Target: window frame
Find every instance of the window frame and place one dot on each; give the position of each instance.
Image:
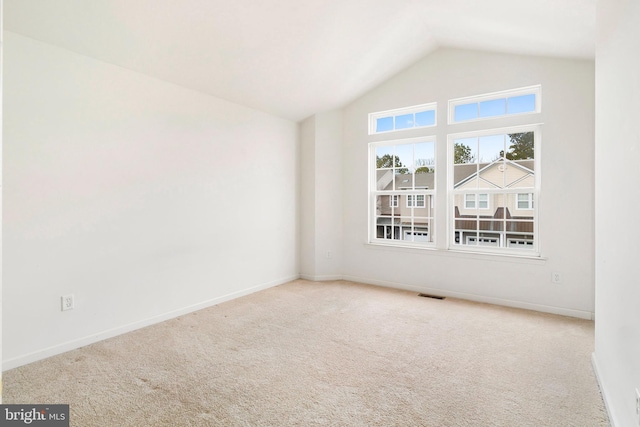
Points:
(528, 90)
(373, 117)
(429, 200)
(534, 250)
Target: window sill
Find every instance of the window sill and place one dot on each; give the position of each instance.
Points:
(490, 256)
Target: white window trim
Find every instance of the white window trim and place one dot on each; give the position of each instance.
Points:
(529, 90)
(394, 201)
(373, 117)
(451, 245)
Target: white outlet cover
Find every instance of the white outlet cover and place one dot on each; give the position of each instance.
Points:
(67, 302)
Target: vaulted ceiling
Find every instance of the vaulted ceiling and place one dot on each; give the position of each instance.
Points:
(293, 58)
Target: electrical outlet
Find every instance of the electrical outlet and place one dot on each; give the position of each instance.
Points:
(329, 254)
(67, 302)
(638, 405)
(556, 277)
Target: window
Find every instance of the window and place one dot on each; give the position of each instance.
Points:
(525, 201)
(403, 118)
(402, 168)
(470, 201)
(498, 104)
(415, 201)
(493, 175)
(488, 171)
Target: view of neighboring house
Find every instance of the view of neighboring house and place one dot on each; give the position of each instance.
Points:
(494, 203)
(404, 216)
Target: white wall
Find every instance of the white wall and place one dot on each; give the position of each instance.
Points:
(567, 163)
(142, 198)
(308, 198)
(321, 198)
(617, 353)
(1, 174)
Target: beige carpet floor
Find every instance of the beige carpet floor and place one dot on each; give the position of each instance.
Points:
(329, 354)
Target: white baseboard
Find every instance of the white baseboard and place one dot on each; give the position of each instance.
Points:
(81, 342)
(478, 298)
(603, 390)
(320, 278)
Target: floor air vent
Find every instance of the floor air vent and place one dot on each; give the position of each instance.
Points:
(430, 296)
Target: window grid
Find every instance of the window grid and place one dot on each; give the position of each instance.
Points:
(505, 227)
(487, 211)
(403, 171)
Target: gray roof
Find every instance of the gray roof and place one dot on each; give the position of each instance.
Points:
(461, 173)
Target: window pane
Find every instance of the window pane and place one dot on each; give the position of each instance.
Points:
(469, 201)
(465, 155)
(465, 150)
(384, 180)
(404, 153)
(424, 154)
(491, 148)
(521, 104)
(419, 232)
(490, 224)
(388, 228)
(384, 124)
(383, 207)
(483, 201)
(424, 162)
(495, 107)
(520, 146)
(426, 118)
(465, 112)
(404, 121)
(492, 166)
(385, 157)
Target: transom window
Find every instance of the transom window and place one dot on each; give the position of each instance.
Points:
(402, 169)
(403, 118)
(498, 104)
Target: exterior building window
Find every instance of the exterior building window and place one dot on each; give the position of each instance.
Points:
(489, 170)
(525, 201)
(482, 201)
(402, 169)
(415, 200)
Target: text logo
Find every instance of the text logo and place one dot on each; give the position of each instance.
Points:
(34, 415)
